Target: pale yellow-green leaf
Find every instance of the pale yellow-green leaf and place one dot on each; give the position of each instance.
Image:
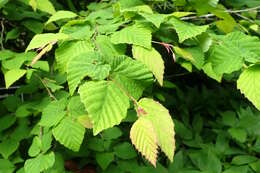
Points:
(13, 75)
(162, 123)
(249, 84)
(152, 59)
(144, 138)
(61, 15)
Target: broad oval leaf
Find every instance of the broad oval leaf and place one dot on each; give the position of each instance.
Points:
(162, 123)
(69, 133)
(105, 102)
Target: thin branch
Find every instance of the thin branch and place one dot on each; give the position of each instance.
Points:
(243, 10)
(244, 17)
(45, 86)
(12, 87)
(196, 17)
(227, 11)
(5, 95)
(177, 75)
(2, 34)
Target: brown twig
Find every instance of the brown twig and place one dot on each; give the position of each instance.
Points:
(168, 47)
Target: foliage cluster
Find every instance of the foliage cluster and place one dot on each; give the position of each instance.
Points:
(130, 86)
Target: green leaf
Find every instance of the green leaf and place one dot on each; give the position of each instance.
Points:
(227, 22)
(53, 113)
(45, 6)
(80, 31)
(199, 158)
(249, 84)
(12, 76)
(35, 148)
(237, 169)
(13, 34)
(208, 69)
(6, 166)
(69, 133)
(144, 138)
(104, 159)
(138, 8)
(18, 60)
(107, 48)
(152, 59)
(238, 134)
(112, 133)
(187, 30)
(58, 166)
(197, 56)
(8, 147)
(61, 15)
(155, 19)
(162, 123)
(232, 50)
(96, 144)
(106, 104)
(33, 25)
(86, 64)
(243, 159)
(125, 151)
(130, 75)
(41, 40)
(70, 50)
(76, 107)
(40, 163)
(133, 35)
